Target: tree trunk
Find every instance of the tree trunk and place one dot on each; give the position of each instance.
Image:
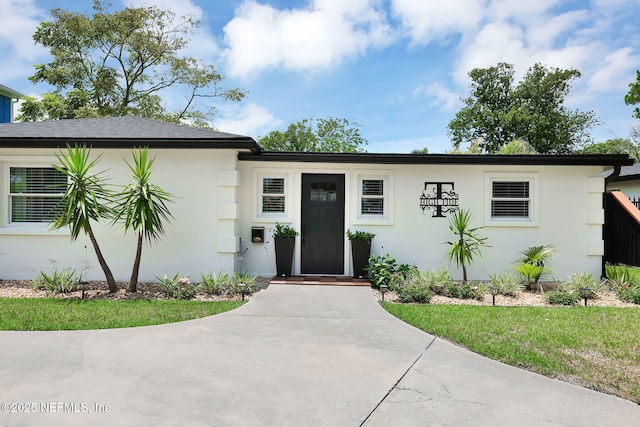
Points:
(113, 288)
(133, 282)
(464, 273)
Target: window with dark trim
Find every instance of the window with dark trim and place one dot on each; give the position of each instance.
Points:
(34, 193)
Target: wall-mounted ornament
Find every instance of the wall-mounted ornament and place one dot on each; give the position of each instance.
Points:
(439, 196)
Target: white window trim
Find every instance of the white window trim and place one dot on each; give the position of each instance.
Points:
(533, 179)
(258, 180)
(23, 228)
(387, 184)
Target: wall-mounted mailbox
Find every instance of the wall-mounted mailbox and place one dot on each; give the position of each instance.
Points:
(257, 234)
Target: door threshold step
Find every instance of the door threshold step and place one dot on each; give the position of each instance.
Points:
(320, 280)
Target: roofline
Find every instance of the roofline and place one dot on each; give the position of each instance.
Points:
(10, 93)
(461, 159)
(104, 143)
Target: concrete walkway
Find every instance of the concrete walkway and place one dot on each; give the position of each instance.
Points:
(293, 356)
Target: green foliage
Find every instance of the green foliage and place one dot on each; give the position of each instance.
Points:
(53, 314)
(547, 340)
(284, 231)
(86, 199)
(562, 298)
(360, 235)
(177, 287)
(322, 135)
(621, 277)
(516, 146)
(414, 293)
(585, 280)
(533, 264)
(614, 146)
(120, 63)
(424, 150)
(468, 243)
(507, 283)
(141, 205)
(381, 270)
(62, 280)
(631, 294)
(460, 291)
(221, 283)
(418, 285)
(633, 96)
(498, 111)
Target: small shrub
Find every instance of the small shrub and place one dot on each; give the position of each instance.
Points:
(509, 284)
(250, 281)
(418, 293)
(479, 289)
(533, 265)
(460, 291)
(631, 294)
(214, 284)
(63, 280)
(381, 269)
(562, 298)
(177, 287)
(585, 280)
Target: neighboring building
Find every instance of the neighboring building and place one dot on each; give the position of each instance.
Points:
(227, 190)
(628, 181)
(8, 97)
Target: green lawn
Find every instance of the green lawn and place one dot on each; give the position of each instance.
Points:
(50, 314)
(596, 347)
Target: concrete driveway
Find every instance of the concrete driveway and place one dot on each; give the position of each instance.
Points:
(292, 356)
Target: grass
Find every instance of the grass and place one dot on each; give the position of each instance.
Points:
(50, 314)
(596, 347)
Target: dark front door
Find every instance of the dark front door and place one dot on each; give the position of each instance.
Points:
(322, 224)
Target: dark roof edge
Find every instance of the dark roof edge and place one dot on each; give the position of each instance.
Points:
(246, 143)
(433, 159)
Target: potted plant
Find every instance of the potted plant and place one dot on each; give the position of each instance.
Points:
(360, 251)
(284, 237)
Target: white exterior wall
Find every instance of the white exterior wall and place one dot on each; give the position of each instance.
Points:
(200, 238)
(567, 206)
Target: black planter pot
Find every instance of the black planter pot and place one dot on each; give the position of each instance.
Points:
(284, 255)
(360, 251)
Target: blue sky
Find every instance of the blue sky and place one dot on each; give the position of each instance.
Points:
(396, 67)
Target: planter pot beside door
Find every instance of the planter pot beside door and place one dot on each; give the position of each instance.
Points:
(360, 252)
(284, 255)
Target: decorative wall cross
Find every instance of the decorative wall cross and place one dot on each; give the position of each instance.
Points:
(440, 197)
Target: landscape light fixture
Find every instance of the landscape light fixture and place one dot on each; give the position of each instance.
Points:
(383, 290)
(83, 286)
(243, 287)
(494, 291)
(585, 293)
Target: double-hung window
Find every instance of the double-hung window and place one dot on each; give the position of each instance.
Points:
(512, 199)
(372, 197)
(373, 204)
(273, 196)
(34, 193)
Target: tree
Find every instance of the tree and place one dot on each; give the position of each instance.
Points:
(86, 199)
(424, 150)
(614, 146)
(468, 243)
(517, 146)
(633, 97)
(142, 206)
(322, 135)
(118, 64)
(498, 111)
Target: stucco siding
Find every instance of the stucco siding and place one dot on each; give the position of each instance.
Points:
(197, 240)
(567, 210)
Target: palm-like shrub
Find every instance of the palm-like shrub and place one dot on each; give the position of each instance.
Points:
(468, 243)
(533, 264)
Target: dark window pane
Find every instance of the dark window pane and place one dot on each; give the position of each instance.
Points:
(510, 208)
(34, 208)
(511, 189)
(273, 185)
(372, 206)
(36, 181)
(372, 187)
(273, 204)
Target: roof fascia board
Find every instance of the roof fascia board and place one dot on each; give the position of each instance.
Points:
(431, 159)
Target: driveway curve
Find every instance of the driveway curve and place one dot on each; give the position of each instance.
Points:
(292, 356)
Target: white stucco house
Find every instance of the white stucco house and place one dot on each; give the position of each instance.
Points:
(228, 191)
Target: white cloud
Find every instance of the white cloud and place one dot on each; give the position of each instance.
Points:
(18, 21)
(319, 36)
(250, 119)
(442, 95)
(426, 21)
(617, 72)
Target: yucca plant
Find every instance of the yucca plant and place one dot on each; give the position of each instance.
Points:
(86, 199)
(468, 243)
(142, 207)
